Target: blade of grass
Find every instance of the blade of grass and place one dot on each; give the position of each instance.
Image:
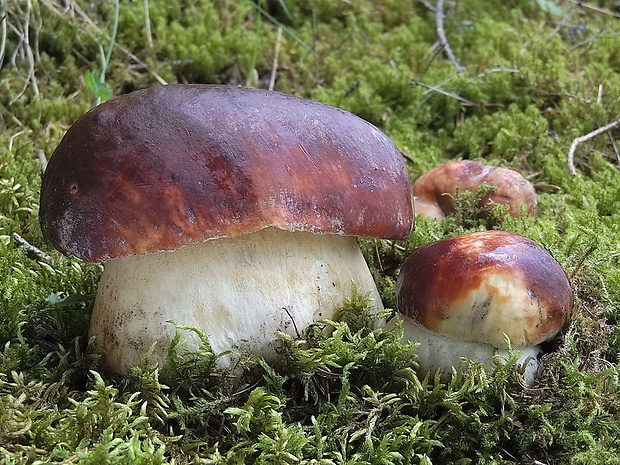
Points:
(262, 11)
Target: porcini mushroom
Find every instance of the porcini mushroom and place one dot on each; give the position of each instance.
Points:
(461, 297)
(231, 210)
(435, 190)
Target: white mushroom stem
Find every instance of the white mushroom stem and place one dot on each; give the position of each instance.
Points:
(438, 352)
(240, 291)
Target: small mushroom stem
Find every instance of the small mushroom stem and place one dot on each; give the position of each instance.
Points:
(437, 352)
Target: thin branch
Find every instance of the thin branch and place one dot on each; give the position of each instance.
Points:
(147, 24)
(15, 136)
(42, 160)
(265, 13)
(561, 24)
(24, 50)
(406, 156)
(441, 33)
(3, 20)
(12, 116)
(90, 22)
(547, 186)
(378, 255)
(276, 53)
(583, 42)
(31, 250)
(565, 94)
(595, 8)
(446, 93)
(579, 140)
(286, 309)
(432, 88)
(429, 6)
(31, 75)
(615, 146)
(428, 94)
(494, 70)
(608, 259)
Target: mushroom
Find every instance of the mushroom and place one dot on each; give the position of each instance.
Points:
(462, 297)
(435, 190)
(227, 209)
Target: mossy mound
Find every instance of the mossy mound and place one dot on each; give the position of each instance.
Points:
(526, 79)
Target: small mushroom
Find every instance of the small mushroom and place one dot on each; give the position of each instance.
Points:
(227, 209)
(461, 297)
(435, 190)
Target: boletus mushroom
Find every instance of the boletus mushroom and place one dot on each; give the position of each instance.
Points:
(462, 297)
(227, 209)
(436, 189)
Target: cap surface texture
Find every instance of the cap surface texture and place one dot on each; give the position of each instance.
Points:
(178, 164)
(481, 286)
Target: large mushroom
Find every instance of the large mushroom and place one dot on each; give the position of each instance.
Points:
(436, 189)
(462, 297)
(231, 210)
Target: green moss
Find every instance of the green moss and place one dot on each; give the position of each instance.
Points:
(535, 79)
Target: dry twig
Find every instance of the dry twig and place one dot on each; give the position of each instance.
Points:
(428, 5)
(406, 156)
(147, 24)
(31, 250)
(592, 37)
(439, 18)
(276, 53)
(55, 9)
(3, 12)
(446, 93)
(494, 70)
(547, 186)
(615, 146)
(23, 50)
(42, 160)
(595, 8)
(561, 24)
(579, 140)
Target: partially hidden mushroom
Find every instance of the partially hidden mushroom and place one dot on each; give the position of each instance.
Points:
(436, 189)
(465, 296)
(230, 210)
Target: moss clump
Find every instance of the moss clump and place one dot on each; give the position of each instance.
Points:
(537, 75)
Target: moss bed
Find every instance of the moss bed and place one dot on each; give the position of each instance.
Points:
(512, 84)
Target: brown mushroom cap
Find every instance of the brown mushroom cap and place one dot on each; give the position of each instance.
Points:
(172, 165)
(434, 191)
(479, 286)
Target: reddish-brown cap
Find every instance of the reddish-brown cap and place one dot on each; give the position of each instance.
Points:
(171, 165)
(435, 190)
(479, 286)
